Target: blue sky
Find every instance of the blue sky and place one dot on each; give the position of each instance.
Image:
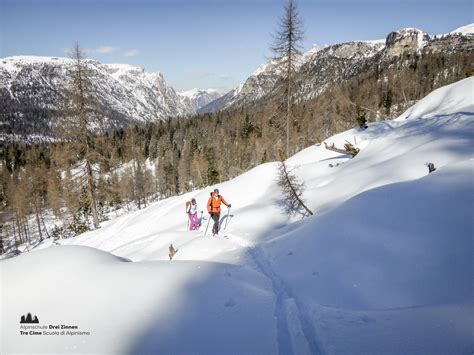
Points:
(205, 43)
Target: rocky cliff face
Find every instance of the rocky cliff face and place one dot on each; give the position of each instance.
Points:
(408, 39)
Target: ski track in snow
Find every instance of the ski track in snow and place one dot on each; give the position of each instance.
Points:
(286, 305)
(295, 331)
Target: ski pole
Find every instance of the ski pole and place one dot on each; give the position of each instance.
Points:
(207, 226)
(227, 218)
(187, 224)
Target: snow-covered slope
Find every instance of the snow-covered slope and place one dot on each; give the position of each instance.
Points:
(449, 101)
(464, 30)
(383, 266)
(200, 97)
(125, 306)
(30, 84)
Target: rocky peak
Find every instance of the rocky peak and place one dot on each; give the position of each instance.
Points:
(356, 48)
(198, 98)
(407, 39)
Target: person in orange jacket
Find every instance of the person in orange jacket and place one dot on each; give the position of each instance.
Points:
(214, 209)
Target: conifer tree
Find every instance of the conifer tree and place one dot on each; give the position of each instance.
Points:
(287, 50)
(81, 118)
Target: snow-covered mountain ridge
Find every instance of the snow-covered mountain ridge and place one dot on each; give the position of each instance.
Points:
(31, 88)
(200, 97)
(383, 266)
(465, 30)
(320, 67)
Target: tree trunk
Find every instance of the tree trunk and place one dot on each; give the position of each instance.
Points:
(404, 96)
(24, 221)
(38, 220)
(288, 110)
(90, 190)
(352, 153)
(44, 225)
(21, 230)
(15, 234)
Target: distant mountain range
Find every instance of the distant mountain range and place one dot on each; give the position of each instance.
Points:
(31, 87)
(318, 68)
(200, 97)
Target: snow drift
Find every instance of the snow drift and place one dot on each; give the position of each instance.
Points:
(118, 302)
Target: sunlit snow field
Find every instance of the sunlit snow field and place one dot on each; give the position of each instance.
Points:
(385, 265)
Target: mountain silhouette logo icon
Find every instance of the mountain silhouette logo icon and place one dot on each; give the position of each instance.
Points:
(29, 319)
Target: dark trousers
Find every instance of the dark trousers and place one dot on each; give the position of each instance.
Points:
(215, 217)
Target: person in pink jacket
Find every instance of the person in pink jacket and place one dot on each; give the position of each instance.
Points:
(191, 210)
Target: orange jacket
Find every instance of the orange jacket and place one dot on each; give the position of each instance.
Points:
(214, 203)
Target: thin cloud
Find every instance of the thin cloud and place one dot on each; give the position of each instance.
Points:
(105, 50)
(132, 53)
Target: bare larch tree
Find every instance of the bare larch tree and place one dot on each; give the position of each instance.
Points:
(292, 191)
(81, 118)
(287, 49)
